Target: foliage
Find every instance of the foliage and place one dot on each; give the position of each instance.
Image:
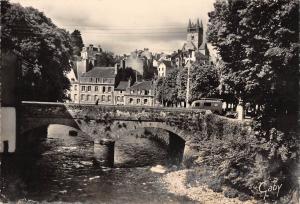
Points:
(257, 41)
(166, 90)
(77, 43)
(204, 82)
(105, 59)
(181, 81)
(44, 51)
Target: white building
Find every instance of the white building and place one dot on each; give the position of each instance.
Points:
(164, 68)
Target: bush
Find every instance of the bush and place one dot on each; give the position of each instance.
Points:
(215, 185)
(244, 197)
(231, 193)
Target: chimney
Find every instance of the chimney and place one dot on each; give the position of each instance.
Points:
(116, 68)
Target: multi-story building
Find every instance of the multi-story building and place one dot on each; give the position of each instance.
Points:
(140, 94)
(95, 86)
(119, 93)
(89, 53)
(164, 68)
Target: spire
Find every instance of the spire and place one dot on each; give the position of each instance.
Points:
(198, 24)
(189, 25)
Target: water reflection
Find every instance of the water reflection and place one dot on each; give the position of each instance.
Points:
(63, 170)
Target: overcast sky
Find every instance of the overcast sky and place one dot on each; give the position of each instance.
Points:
(122, 26)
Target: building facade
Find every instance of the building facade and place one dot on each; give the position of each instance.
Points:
(119, 94)
(94, 87)
(140, 94)
(164, 68)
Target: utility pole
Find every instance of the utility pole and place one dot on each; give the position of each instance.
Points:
(187, 86)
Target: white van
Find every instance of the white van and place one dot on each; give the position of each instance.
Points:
(213, 104)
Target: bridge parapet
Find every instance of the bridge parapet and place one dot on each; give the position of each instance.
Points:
(106, 112)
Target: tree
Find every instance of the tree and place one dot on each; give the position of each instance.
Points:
(204, 82)
(166, 90)
(44, 51)
(105, 59)
(257, 41)
(77, 43)
(181, 81)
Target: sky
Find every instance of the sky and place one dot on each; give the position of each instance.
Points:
(121, 26)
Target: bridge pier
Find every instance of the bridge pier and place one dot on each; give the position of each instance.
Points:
(104, 152)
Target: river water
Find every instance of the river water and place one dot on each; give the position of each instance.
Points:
(63, 170)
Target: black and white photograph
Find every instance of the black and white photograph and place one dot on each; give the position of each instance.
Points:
(149, 102)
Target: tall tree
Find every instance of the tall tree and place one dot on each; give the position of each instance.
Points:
(43, 49)
(166, 90)
(77, 43)
(105, 59)
(204, 82)
(257, 41)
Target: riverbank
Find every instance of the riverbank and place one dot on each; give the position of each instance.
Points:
(177, 182)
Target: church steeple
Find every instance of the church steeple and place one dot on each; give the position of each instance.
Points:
(189, 25)
(198, 24)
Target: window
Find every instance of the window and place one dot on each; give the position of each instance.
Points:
(97, 80)
(118, 98)
(75, 97)
(103, 89)
(207, 104)
(120, 91)
(75, 87)
(146, 92)
(91, 79)
(197, 104)
(145, 101)
(109, 89)
(96, 88)
(102, 98)
(122, 98)
(193, 37)
(82, 88)
(89, 88)
(82, 97)
(108, 98)
(131, 100)
(88, 97)
(95, 98)
(138, 100)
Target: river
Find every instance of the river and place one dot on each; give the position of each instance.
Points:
(63, 170)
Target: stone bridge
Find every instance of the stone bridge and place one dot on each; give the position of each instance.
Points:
(108, 121)
(185, 126)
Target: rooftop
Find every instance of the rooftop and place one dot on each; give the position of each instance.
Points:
(167, 63)
(144, 85)
(122, 86)
(100, 72)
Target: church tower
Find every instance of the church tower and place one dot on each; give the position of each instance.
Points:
(195, 33)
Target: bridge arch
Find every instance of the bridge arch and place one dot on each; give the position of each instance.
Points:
(175, 140)
(31, 124)
(134, 125)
